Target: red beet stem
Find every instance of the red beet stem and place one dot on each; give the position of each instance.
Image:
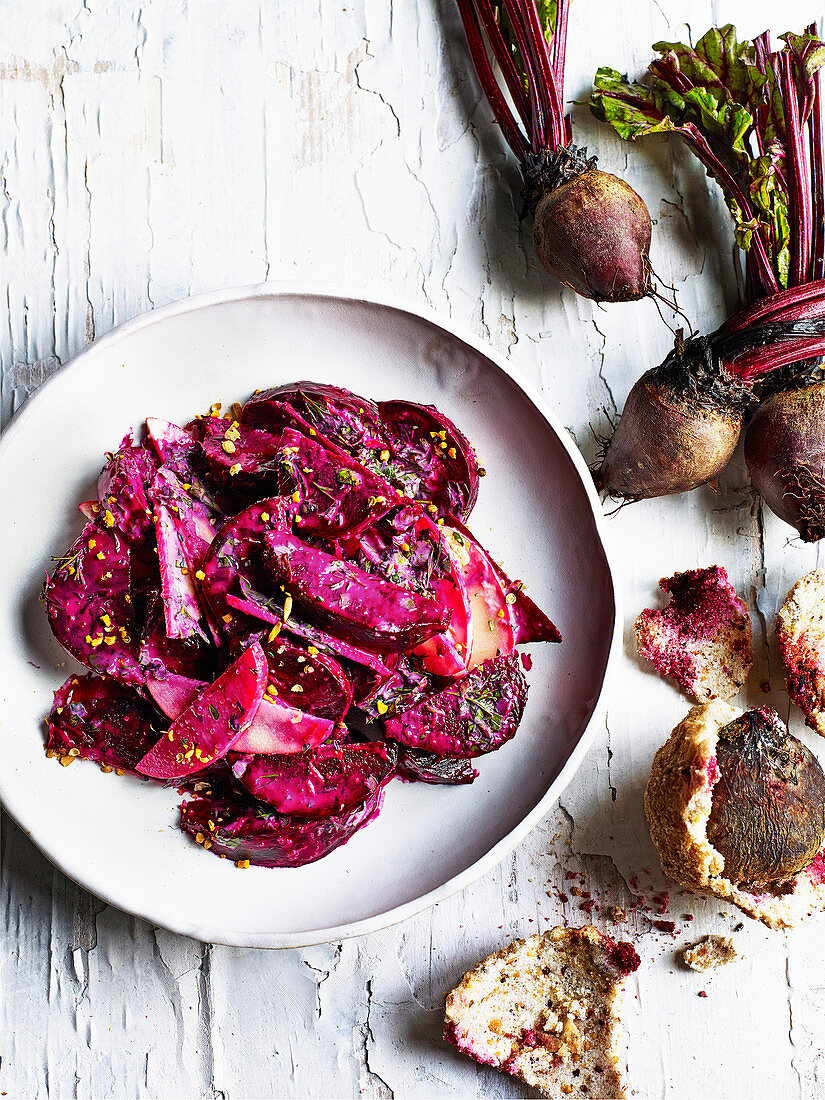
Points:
(504, 58)
(794, 304)
(546, 123)
(501, 110)
(817, 176)
(797, 157)
(559, 49)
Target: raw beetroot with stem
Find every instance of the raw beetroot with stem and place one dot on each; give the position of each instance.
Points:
(590, 229)
(753, 119)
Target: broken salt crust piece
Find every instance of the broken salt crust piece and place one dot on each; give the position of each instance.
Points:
(709, 953)
(800, 626)
(546, 1010)
(702, 639)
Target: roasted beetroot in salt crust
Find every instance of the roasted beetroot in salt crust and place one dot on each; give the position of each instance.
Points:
(281, 610)
(736, 808)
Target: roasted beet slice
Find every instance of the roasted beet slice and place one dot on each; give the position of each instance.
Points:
(236, 552)
(237, 457)
(370, 611)
(97, 718)
(212, 722)
(308, 679)
(332, 496)
(426, 767)
(350, 422)
(327, 780)
(431, 460)
(280, 728)
(161, 655)
(123, 489)
(470, 717)
(89, 604)
(243, 830)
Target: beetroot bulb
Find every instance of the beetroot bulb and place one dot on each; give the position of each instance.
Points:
(590, 230)
(747, 113)
(785, 454)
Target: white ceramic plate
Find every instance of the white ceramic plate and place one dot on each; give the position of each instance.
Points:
(537, 513)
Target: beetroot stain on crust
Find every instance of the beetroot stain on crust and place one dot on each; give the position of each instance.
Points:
(702, 639)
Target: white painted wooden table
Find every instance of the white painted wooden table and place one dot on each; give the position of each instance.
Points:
(152, 150)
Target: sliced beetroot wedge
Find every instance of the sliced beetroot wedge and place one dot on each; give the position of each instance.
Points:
(276, 726)
(327, 780)
(280, 728)
(335, 496)
(236, 552)
(180, 452)
(89, 604)
(174, 693)
(426, 767)
(359, 606)
(177, 582)
(470, 717)
(241, 831)
(176, 447)
(97, 718)
(123, 489)
(490, 625)
(527, 621)
(381, 664)
(184, 532)
(212, 722)
(433, 461)
(308, 679)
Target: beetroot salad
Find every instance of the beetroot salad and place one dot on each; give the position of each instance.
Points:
(281, 609)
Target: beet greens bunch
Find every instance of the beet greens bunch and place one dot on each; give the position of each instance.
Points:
(752, 117)
(591, 230)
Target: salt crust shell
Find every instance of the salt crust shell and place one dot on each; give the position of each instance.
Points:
(561, 983)
(678, 801)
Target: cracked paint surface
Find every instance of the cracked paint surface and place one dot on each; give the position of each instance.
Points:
(160, 148)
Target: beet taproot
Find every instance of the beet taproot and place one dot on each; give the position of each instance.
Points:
(785, 455)
(767, 817)
(671, 437)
